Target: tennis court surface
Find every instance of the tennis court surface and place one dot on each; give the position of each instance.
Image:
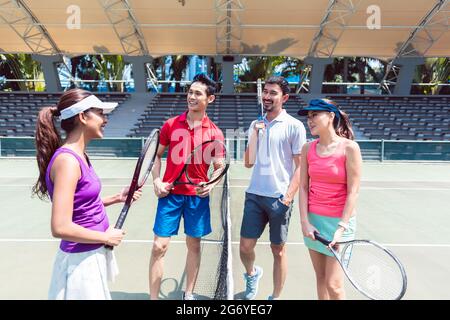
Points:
(401, 205)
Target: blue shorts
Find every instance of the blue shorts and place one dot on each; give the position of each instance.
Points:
(195, 212)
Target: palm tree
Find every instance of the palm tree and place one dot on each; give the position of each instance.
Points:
(160, 64)
(111, 68)
(178, 67)
(254, 68)
(435, 71)
(21, 66)
(352, 69)
(292, 66)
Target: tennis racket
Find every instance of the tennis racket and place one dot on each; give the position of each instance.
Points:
(142, 170)
(259, 124)
(205, 165)
(371, 268)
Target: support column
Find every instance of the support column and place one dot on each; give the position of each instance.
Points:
(228, 72)
(317, 73)
(139, 71)
(50, 69)
(406, 75)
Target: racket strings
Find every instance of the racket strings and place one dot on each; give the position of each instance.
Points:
(373, 270)
(148, 159)
(209, 161)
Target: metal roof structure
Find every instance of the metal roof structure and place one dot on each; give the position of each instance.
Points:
(383, 29)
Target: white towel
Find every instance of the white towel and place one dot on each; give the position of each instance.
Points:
(112, 269)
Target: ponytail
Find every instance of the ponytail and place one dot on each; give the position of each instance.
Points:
(47, 140)
(343, 127)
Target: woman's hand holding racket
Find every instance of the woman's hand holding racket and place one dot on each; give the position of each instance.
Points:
(336, 238)
(124, 194)
(113, 236)
(308, 230)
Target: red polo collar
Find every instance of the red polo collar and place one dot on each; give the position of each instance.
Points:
(206, 123)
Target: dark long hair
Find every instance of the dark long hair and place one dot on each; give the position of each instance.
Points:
(342, 126)
(48, 138)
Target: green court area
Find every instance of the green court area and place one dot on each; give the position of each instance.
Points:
(402, 205)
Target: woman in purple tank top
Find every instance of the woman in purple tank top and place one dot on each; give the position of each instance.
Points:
(82, 266)
(329, 185)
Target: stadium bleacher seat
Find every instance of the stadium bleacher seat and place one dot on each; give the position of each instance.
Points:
(398, 118)
(18, 110)
(377, 117)
(229, 111)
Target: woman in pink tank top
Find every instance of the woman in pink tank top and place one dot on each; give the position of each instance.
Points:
(329, 186)
(82, 265)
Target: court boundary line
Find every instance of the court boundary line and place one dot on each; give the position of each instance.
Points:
(149, 186)
(207, 241)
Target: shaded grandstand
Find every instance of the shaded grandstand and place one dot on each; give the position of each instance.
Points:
(18, 110)
(229, 111)
(373, 117)
(399, 118)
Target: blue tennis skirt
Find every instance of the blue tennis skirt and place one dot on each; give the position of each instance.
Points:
(327, 227)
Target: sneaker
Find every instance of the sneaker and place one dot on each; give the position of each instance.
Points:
(252, 283)
(188, 296)
(272, 298)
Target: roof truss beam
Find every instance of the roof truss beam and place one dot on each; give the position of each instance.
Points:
(333, 24)
(126, 27)
(26, 25)
(432, 26)
(228, 26)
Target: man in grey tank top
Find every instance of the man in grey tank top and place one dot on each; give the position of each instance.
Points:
(273, 151)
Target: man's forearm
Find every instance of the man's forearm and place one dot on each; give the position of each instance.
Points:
(156, 171)
(293, 185)
(250, 152)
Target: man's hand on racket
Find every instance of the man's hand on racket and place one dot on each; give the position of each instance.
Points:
(260, 125)
(113, 236)
(124, 194)
(161, 189)
(203, 191)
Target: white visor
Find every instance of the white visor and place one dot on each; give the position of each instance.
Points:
(87, 103)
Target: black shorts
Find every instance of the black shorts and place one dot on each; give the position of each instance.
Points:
(260, 210)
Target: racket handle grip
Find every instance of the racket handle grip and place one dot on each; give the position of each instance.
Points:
(122, 216)
(321, 239)
(107, 246)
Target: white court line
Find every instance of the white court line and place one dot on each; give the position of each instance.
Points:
(418, 245)
(150, 186)
(383, 188)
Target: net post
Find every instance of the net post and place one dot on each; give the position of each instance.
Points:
(382, 150)
(228, 146)
(238, 149)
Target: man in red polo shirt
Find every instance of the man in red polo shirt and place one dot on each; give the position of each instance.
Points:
(181, 135)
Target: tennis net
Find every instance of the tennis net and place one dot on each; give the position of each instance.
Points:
(214, 279)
